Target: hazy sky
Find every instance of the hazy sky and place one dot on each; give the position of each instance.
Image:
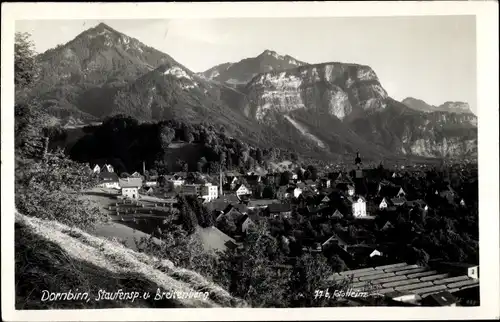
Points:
(432, 58)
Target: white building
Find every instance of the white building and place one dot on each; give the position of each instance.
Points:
(130, 187)
(209, 192)
(383, 204)
(109, 180)
(151, 183)
(96, 169)
(241, 190)
(297, 192)
(359, 207)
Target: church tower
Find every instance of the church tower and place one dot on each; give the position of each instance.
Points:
(359, 180)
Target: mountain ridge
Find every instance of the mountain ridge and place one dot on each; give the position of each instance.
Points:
(331, 108)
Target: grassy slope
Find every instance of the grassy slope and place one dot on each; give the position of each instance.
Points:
(52, 256)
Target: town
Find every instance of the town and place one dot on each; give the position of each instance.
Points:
(361, 216)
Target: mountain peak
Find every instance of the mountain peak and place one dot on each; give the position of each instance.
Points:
(269, 52)
(102, 25)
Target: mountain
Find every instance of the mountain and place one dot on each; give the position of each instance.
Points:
(451, 107)
(243, 71)
(341, 107)
(80, 78)
(326, 110)
(428, 134)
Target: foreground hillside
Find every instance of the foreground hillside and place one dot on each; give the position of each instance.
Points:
(53, 256)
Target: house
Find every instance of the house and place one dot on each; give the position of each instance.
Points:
(245, 223)
(387, 226)
(279, 209)
(191, 189)
(109, 180)
(96, 169)
(107, 168)
(151, 183)
(440, 299)
(230, 212)
(130, 187)
(462, 203)
(212, 239)
(324, 200)
(241, 190)
(358, 206)
(173, 181)
(260, 203)
(209, 192)
(230, 198)
(398, 201)
(337, 215)
(149, 191)
(135, 175)
(335, 240)
(383, 204)
(326, 183)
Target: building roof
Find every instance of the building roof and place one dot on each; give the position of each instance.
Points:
(108, 177)
(442, 298)
(337, 214)
(310, 182)
(217, 205)
(214, 239)
(131, 183)
(232, 174)
(279, 207)
(238, 186)
(261, 202)
(398, 201)
(241, 208)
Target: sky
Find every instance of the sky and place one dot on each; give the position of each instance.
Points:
(432, 58)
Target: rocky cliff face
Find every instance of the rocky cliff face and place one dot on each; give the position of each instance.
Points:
(335, 88)
(411, 132)
(450, 107)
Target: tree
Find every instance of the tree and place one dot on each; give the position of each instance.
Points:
(268, 192)
(51, 189)
(25, 68)
(124, 175)
(188, 217)
(285, 178)
(308, 276)
(167, 135)
(256, 273)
